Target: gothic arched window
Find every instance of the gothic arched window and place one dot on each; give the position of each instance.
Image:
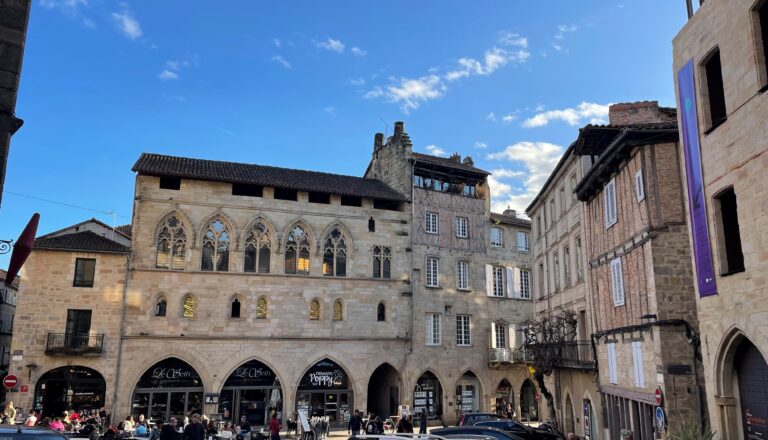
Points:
(257, 249)
(234, 311)
(314, 310)
(381, 312)
(335, 254)
(189, 307)
(161, 307)
(338, 310)
(171, 245)
(297, 251)
(216, 247)
(261, 309)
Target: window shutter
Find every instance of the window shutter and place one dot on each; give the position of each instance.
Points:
(612, 363)
(493, 335)
(489, 280)
(517, 283)
(637, 363)
(430, 329)
(511, 292)
(617, 282)
(514, 341)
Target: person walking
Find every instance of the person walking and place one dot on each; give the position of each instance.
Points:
(168, 431)
(355, 424)
(194, 430)
(423, 422)
(274, 427)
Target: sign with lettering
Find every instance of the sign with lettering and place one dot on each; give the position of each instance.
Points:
(587, 420)
(324, 375)
(252, 373)
(418, 394)
(170, 373)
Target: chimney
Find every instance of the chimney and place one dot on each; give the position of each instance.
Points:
(468, 161)
(398, 129)
(627, 113)
(378, 140)
(510, 212)
(455, 157)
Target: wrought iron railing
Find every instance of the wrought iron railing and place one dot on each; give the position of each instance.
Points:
(74, 343)
(577, 354)
(506, 355)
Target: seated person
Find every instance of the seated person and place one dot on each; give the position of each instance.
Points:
(141, 431)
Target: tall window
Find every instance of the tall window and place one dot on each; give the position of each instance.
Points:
(539, 229)
(609, 199)
(525, 284)
(381, 312)
(261, 308)
(639, 186)
(216, 247)
(335, 254)
(542, 292)
(522, 242)
(234, 309)
(556, 270)
(188, 307)
(729, 235)
(297, 251)
(314, 310)
(573, 187)
(637, 364)
(85, 269)
(562, 200)
(715, 90)
(432, 223)
(462, 275)
(567, 264)
(552, 215)
(171, 245)
(579, 261)
(161, 307)
(338, 310)
(257, 249)
(498, 281)
(433, 272)
(761, 18)
(382, 261)
(499, 335)
(463, 331)
(433, 329)
(497, 238)
(617, 282)
(462, 227)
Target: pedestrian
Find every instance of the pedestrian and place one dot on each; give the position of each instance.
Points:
(379, 426)
(355, 424)
(129, 424)
(274, 428)
(245, 428)
(210, 431)
(56, 425)
(31, 419)
(154, 434)
(194, 430)
(168, 431)
(9, 413)
(423, 422)
(408, 426)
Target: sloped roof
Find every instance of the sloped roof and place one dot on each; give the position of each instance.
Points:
(509, 220)
(14, 284)
(447, 162)
(233, 172)
(126, 230)
(85, 241)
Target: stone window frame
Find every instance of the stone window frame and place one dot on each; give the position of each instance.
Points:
(189, 306)
(706, 70)
(161, 305)
(300, 249)
(240, 308)
(221, 240)
(381, 312)
(258, 239)
(432, 274)
(579, 259)
(176, 235)
(338, 310)
(262, 308)
(434, 330)
(523, 240)
(567, 265)
(500, 336)
(84, 276)
(525, 284)
(432, 223)
(760, 37)
(464, 330)
(730, 251)
(498, 282)
(315, 310)
(465, 277)
(384, 256)
(500, 242)
(336, 247)
(556, 270)
(462, 227)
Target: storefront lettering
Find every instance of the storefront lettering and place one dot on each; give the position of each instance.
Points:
(252, 372)
(170, 373)
(326, 378)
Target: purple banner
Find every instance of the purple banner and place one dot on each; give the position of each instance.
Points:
(705, 272)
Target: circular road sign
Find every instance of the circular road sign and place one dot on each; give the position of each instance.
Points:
(10, 381)
(659, 397)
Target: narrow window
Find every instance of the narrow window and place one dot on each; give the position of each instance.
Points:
(188, 307)
(617, 282)
(462, 227)
(579, 263)
(316, 197)
(381, 312)
(235, 309)
(215, 248)
(314, 310)
(761, 18)
(552, 215)
(556, 270)
(499, 335)
(433, 329)
(171, 245)
(85, 268)
(389, 205)
(567, 265)
(463, 331)
(257, 249)
(609, 202)
(169, 182)
(261, 309)
(335, 254)
(715, 90)
(541, 280)
(462, 275)
(297, 252)
(573, 187)
(498, 282)
(161, 307)
(562, 200)
(433, 272)
(382, 256)
(729, 237)
(525, 284)
(497, 238)
(522, 242)
(432, 220)
(612, 370)
(338, 310)
(371, 225)
(538, 226)
(639, 186)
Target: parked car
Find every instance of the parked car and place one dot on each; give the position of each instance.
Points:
(469, 419)
(13, 432)
(520, 430)
(457, 432)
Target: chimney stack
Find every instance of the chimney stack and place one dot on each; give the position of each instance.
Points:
(398, 128)
(510, 212)
(456, 157)
(378, 140)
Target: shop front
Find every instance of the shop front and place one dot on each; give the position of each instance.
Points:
(252, 391)
(428, 395)
(468, 393)
(73, 387)
(325, 391)
(505, 398)
(170, 388)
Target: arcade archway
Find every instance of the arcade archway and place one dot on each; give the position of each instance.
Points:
(325, 390)
(505, 398)
(428, 395)
(252, 391)
(383, 391)
(170, 388)
(72, 387)
(529, 408)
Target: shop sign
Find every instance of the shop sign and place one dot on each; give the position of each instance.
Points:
(467, 393)
(325, 375)
(25, 388)
(252, 373)
(418, 394)
(170, 373)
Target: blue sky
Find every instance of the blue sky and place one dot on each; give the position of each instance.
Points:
(305, 84)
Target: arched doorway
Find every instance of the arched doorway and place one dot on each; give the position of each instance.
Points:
(468, 393)
(325, 391)
(752, 373)
(170, 388)
(505, 398)
(384, 391)
(428, 395)
(529, 408)
(591, 429)
(568, 416)
(253, 391)
(80, 388)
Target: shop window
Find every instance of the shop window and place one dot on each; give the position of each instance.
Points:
(338, 310)
(382, 261)
(215, 247)
(314, 310)
(85, 269)
(258, 246)
(729, 235)
(714, 102)
(297, 252)
(234, 311)
(161, 306)
(335, 254)
(171, 244)
(189, 307)
(261, 309)
(381, 312)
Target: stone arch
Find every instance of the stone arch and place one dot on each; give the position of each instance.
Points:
(352, 382)
(270, 229)
(593, 411)
(384, 390)
(528, 406)
(245, 357)
(469, 375)
(439, 393)
(314, 244)
(568, 414)
(347, 234)
(504, 386)
(234, 238)
(188, 226)
(51, 387)
(242, 308)
(185, 354)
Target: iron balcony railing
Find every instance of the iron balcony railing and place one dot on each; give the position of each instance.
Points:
(577, 354)
(74, 343)
(506, 356)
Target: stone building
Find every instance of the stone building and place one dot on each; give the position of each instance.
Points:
(253, 289)
(641, 286)
(563, 288)
(8, 294)
(721, 74)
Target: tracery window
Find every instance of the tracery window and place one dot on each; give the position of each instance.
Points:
(335, 254)
(338, 310)
(314, 310)
(382, 260)
(297, 251)
(257, 249)
(171, 245)
(216, 247)
(261, 309)
(189, 307)
(161, 307)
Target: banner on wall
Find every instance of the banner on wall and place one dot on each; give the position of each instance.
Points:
(705, 272)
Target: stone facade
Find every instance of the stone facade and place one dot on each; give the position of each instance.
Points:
(733, 156)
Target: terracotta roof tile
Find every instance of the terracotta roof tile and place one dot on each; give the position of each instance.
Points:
(85, 241)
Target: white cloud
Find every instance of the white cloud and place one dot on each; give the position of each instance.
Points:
(282, 61)
(586, 111)
(492, 60)
(480, 145)
(224, 130)
(512, 39)
(127, 24)
(508, 117)
(491, 117)
(357, 82)
(172, 65)
(331, 44)
(74, 4)
(168, 75)
(409, 92)
(356, 51)
(436, 151)
(538, 159)
(71, 9)
(330, 110)
(277, 42)
(564, 29)
(557, 47)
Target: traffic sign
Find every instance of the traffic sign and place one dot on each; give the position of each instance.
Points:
(659, 397)
(10, 381)
(661, 418)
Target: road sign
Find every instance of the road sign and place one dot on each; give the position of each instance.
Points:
(661, 418)
(659, 396)
(10, 381)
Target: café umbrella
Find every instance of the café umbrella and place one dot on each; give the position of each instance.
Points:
(22, 248)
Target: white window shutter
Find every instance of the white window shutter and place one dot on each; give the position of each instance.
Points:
(612, 373)
(489, 280)
(518, 288)
(493, 335)
(514, 340)
(510, 282)
(639, 185)
(637, 362)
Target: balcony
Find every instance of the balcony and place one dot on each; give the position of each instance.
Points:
(74, 344)
(577, 354)
(506, 356)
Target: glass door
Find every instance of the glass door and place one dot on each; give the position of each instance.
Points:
(332, 407)
(159, 407)
(252, 404)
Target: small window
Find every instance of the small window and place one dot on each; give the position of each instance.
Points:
(433, 329)
(522, 242)
(371, 225)
(715, 101)
(338, 310)
(639, 186)
(433, 272)
(539, 230)
(351, 201)
(381, 312)
(432, 221)
(552, 214)
(261, 309)
(85, 268)
(234, 311)
(609, 201)
(525, 284)
(497, 238)
(322, 198)
(617, 282)
(389, 205)
(579, 263)
(314, 310)
(462, 275)
(567, 265)
(244, 189)
(188, 307)
(760, 14)
(498, 282)
(463, 331)
(382, 261)
(729, 235)
(462, 227)
(562, 200)
(168, 182)
(286, 194)
(161, 307)
(573, 187)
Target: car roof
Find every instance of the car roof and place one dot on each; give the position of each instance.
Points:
(481, 414)
(13, 429)
(469, 429)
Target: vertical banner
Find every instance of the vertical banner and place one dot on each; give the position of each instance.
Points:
(705, 273)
